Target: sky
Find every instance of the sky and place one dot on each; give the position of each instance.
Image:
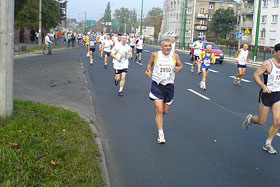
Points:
(95, 8)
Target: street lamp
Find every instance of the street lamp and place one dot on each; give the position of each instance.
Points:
(185, 22)
(141, 18)
(257, 31)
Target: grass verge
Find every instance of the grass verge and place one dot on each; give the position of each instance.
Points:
(38, 48)
(41, 145)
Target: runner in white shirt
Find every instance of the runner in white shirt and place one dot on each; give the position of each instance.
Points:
(107, 45)
(242, 58)
(197, 45)
(118, 40)
(102, 37)
(139, 49)
(165, 64)
(132, 43)
(121, 53)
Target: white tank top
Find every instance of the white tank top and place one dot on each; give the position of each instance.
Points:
(242, 57)
(164, 69)
(272, 80)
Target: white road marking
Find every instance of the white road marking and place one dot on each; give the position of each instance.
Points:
(200, 95)
(146, 51)
(241, 80)
(278, 134)
(209, 69)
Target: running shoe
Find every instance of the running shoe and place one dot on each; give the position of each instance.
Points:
(268, 148)
(161, 139)
(204, 87)
(246, 124)
(91, 62)
(235, 80)
(120, 94)
(116, 82)
(239, 83)
(198, 72)
(140, 63)
(88, 55)
(105, 66)
(192, 69)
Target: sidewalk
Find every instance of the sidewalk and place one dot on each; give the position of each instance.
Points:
(56, 80)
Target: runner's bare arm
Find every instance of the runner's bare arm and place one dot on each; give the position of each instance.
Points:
(237, 53)
(179, 65)
(262, 69)
(151, 62)
(247, 59)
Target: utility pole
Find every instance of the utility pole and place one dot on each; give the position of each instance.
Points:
(7, 57)
(185, 22)
(257, 31)
(141, 18)
(40, 23)
(240, 22)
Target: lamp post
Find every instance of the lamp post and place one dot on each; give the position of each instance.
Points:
(257, 31)
(85, 21)
(240, 22)
(185, 22)
(141, 18)
(40, 23)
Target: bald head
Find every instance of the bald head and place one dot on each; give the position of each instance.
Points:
(208, 48)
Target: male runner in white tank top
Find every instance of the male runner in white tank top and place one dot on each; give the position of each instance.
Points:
(165, 64)
(269, 98)
(242, 58)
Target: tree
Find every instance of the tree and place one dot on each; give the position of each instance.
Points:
(27, 13)
(127, 19)
(154, 19)
(107, 16)
(223, 22)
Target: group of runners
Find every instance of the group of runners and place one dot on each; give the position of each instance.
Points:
(165, 63)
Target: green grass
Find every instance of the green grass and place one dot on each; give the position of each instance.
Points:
(41, 145)
(38, 48)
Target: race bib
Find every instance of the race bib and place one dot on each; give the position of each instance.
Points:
(91, 43)
(165, 70)
(207, 62)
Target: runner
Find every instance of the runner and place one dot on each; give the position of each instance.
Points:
(139, 49)
(205, 60)
(121, 53)
(165, 65)
(173, 45)
(87, 43)
(197, 45)
(132, 43)
(102, 37)
(92, 41)
(269, 98)
(118, 40)
(108, 43)
(242, 57)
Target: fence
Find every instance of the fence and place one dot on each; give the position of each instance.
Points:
(262, 55)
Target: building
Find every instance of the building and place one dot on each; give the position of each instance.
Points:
(269, 23)
(204, 12)
(199, 16)
(173, 20)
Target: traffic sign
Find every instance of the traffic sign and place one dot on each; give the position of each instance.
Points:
(247, 31)
(239, 36)
(108, 23)
(117, 24)
(91, 22)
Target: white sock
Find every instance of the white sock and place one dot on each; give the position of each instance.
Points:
(121, 88)
(268, 141)
(160, 131)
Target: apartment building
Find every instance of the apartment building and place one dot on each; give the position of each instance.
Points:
(269, 23)
(173, 20)
(199, 16)
(204, 12)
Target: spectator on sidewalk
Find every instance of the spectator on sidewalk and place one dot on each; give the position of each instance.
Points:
(72, 39)
(48, 42)
(32, 35)
(37, 37)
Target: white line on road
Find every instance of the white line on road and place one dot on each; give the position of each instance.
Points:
(200, 95)
(146, 51)
(278, 134)
(209, 69)
(241, 80)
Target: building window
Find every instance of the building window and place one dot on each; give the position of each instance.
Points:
(272, 34)
(274, 18)
(230, 5)
(202, 11)
(264, 19)
(209, 18)
(265, 3)
(200, 34)
(276, 3)
(171, 3)
(221, 4)
(174, 3)
(178, 2)
(202, 22)
(177, 16)
(211, 6)
(189, 10)
(263, 33)
(188, 21)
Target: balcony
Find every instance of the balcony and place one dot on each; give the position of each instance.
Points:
(248, 11)
(201, 27)
(202, 16)
(248, 24)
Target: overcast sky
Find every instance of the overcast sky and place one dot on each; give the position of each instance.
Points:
(95, 8)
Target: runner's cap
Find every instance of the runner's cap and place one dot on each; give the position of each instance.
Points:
(277, 47)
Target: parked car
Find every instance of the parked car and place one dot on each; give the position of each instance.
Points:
(219, 54)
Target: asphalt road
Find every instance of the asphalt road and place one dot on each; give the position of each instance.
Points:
(206, 145)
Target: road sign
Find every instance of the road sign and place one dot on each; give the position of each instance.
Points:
(247, 31)
(108, 23)
(91, 22)
(239, 36)
(117, 24)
